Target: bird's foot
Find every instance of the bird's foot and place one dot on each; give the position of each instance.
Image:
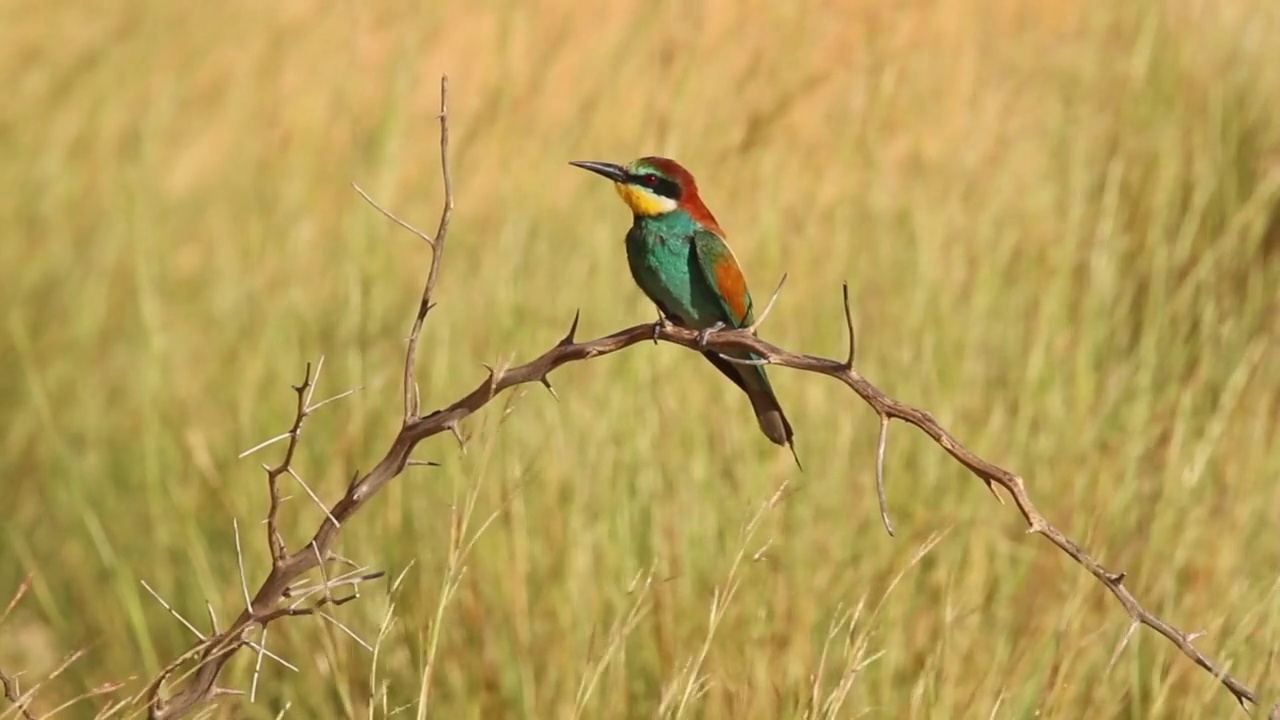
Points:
(658, 326)
(706, 333)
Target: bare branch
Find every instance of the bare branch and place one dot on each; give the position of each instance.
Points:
(22, 703)
(437, 255)
(289, 568)
(264, 606)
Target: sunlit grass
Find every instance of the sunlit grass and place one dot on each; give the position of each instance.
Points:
(1051, 218)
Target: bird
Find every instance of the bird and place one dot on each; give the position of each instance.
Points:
(678, 256)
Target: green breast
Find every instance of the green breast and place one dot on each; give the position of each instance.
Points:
(660, 252)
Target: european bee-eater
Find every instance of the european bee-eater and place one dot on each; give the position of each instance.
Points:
(679, 258)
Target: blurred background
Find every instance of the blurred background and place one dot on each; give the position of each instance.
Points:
(1060, 223)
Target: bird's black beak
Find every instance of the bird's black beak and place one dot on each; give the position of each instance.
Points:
(616, 173)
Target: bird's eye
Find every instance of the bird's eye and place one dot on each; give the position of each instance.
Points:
(650, 180)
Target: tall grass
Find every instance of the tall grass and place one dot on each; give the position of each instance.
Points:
(1051, 216)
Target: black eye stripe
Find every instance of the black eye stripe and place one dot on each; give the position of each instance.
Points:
(658, 184)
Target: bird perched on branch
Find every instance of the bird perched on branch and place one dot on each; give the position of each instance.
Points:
(679, 258)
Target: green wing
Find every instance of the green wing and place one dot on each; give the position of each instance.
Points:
(721, 271)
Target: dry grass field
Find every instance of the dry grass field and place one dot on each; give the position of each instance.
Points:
(1053, 218)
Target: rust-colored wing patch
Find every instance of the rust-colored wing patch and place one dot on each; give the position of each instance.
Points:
(725, 276)
(733, 288)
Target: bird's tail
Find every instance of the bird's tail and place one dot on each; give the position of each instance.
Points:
(772, 420)
(755, 383)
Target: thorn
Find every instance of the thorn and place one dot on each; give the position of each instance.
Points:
(1192, 637)
(257, 666)
(495, 376)
(335, 557)
(311, 385)
(848, 323)
(349, 632)
(263, 444)
(1124, 641)
(421, 463)
(457, 435)
(324, 574)
(244, 582)
(314, 498)
(335, 398)
(213, 617)
(1115, 578)
(769, 305)
(218, 692)
(173, 612)
(991, 487)
(706, 332)
(880, 495)
(546, 383)
(421, 235)
(568, 338)
(306, 380)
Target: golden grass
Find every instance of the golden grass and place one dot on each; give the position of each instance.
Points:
(1050, 215)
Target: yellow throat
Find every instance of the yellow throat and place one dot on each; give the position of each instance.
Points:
(643, 202)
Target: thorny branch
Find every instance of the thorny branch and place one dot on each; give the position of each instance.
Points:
(212, 653)
(266, 605)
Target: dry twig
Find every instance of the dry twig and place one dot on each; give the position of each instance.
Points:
(287, 569)
(9, 683)
(21, 702)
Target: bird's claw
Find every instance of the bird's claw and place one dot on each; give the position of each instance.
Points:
(658, 325)
(706, 333)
